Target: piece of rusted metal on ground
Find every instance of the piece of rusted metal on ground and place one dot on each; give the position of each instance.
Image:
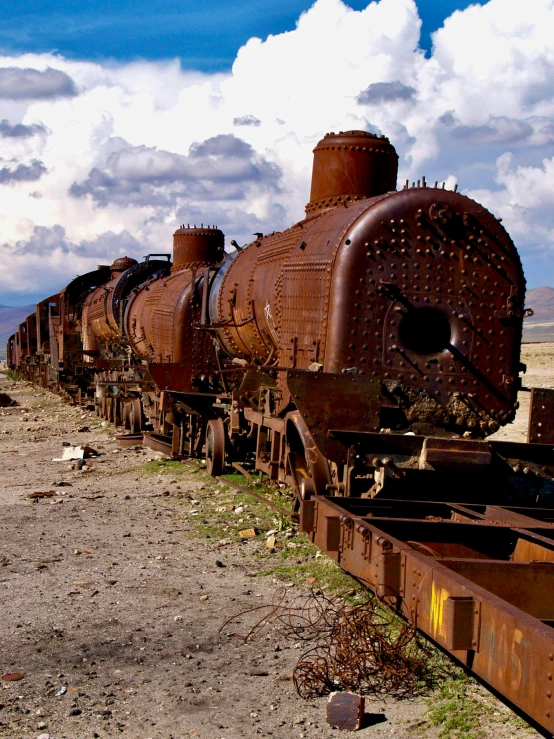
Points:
(242, 471)
(129, 439)
(158, 442)
(483, 592)
(263, 498)
(541, 416)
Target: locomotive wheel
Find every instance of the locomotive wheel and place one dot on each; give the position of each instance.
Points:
(215, 447)
(135, 416)
(308, 467)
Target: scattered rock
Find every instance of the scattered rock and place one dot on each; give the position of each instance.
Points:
(6, 401)
(247, 533)
(345, 711)
(13, 676)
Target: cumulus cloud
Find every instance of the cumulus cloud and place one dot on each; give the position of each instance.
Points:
(51, 247)
(17, 83)
(22, 173)
(145, 146)
(19, 130)
(220, 167)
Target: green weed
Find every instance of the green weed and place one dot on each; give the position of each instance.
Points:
(463, 709)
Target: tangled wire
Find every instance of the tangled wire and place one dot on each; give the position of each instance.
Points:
(364, 648)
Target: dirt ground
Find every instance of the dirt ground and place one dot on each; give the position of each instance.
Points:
(113, 605)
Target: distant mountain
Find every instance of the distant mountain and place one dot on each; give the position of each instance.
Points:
(10, 318)
(541, 300)
(540, 327)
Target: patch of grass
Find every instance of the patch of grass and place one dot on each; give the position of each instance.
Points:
(166, 466)
(464, 710)
(13, 375)
(320, 572)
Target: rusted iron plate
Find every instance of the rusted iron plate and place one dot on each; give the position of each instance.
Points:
(437, 451)
(158, 442)
(329, 401)
(541, 416)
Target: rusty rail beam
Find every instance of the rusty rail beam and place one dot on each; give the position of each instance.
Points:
(483, 589)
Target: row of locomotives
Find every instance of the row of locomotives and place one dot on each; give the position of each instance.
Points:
(73, 343)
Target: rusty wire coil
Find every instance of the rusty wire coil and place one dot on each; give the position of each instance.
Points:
(364, 647)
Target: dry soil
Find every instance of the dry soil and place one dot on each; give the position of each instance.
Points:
(112, 605)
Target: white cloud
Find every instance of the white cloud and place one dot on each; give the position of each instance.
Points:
(136, 149)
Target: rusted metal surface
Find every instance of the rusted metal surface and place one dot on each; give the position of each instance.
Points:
(541, 417)
(129, 440)
(351, 166)
(483, 593)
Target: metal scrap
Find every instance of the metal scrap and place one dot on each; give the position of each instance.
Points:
(363, 648)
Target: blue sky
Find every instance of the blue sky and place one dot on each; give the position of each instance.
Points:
(205, 36)
(119, 122)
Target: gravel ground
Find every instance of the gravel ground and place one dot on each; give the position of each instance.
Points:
(112, 607)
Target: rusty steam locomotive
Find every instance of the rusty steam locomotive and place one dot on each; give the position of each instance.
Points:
(381, 309)
(362, 356)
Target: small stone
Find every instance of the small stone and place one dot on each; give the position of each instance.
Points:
(42, 725)
(270, 543)
(247, 533)
(204, 597)
(298, 720)
(345, 711)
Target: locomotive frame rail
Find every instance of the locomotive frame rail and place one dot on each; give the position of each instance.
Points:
(477, 579)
